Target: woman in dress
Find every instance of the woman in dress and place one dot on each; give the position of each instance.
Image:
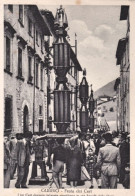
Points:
(74, 162)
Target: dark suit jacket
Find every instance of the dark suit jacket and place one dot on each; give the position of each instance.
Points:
(6, 156)
(97, 145)
(23, 155)
(124, 153)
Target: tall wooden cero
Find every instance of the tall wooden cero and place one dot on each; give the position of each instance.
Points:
(83, 95)
(91, 109)
(61, 67)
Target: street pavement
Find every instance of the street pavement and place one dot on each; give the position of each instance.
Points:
(49, 173)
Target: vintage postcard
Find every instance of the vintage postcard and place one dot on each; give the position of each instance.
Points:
(67, 98)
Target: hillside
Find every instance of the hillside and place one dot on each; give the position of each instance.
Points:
(106, 91)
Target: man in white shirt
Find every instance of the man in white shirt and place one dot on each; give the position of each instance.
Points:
(109, 161)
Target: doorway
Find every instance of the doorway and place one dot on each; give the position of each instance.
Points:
(25, 119)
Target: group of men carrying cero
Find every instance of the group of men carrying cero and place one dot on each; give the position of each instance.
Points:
(105, 156)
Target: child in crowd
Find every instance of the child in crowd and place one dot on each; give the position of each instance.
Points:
(91, 160)
(126, 182)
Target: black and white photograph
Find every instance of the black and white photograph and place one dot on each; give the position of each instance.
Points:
(66, 108)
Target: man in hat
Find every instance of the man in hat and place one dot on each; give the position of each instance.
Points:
(23, 160)
(109, 161)
(6, 162)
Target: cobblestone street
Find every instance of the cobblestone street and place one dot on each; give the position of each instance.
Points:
(49, 173)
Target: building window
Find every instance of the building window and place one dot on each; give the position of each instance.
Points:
(40, 110)
(8, 113)
(111, 109)
(36, 74)
(7, 54)
(21, 14)
(41, 77)
(37, 37)
(19, 62)
(40, 125)
(30, 26)
(30, 68)
(10, 7)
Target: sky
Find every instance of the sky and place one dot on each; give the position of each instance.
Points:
(98, 30)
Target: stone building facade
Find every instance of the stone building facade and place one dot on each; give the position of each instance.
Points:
(25, 78)
(122, 55)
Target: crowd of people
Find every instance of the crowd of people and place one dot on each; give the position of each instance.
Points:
(104, 157)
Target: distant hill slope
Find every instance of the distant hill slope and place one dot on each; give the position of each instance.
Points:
(107, 90)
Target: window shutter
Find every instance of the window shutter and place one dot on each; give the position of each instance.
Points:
(7, 53)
